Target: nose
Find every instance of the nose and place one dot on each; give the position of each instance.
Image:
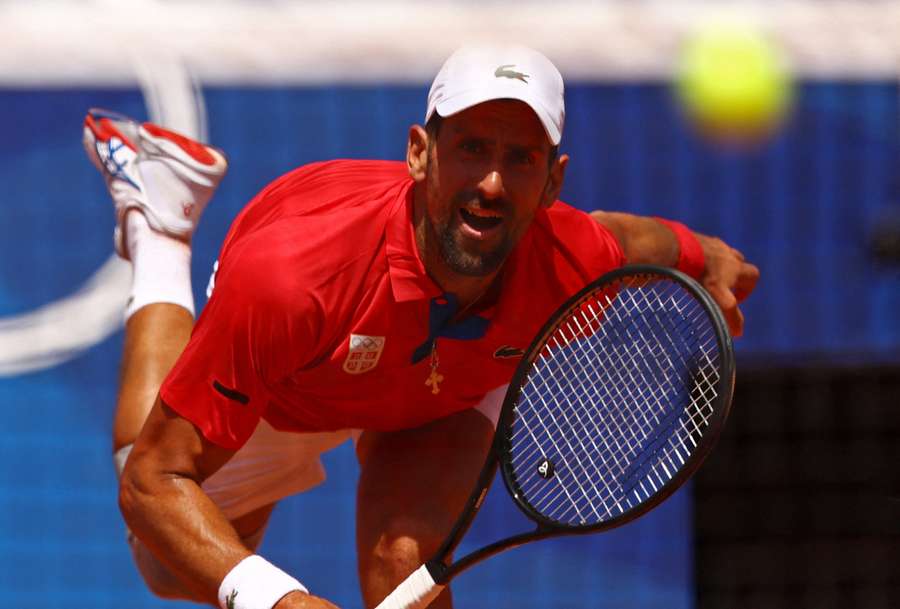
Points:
(491, 186)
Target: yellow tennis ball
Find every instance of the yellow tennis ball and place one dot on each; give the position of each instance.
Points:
(733, 83)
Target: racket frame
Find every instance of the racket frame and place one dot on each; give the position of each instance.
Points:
(724, 393)
(437, 567)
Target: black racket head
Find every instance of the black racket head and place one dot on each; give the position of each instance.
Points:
(617, 401)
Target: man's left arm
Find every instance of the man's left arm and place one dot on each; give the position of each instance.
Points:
(721, 269)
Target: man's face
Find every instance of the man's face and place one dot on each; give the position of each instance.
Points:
(488, 173)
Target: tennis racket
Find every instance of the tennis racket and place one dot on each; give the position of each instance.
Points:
(615, 404)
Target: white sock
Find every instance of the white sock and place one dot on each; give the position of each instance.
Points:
(162, 267)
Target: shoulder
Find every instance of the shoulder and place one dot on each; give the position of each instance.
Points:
(299, 256)
(562, 220)
(576, 241)
(316, 217)
(573, 227)
(314, 232)
(319, 187)
(262, 308)
(329, 188)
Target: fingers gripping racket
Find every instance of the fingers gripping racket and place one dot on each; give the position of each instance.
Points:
(615, 404)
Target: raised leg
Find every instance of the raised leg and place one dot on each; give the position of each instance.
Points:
(160, 183)
(154, 338)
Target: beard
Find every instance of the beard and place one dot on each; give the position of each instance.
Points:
(459, 258)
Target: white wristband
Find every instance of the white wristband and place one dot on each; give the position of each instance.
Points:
(255, 583)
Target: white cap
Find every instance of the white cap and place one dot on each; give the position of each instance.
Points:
(479, 73)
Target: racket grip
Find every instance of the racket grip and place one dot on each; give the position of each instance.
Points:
(416, 592)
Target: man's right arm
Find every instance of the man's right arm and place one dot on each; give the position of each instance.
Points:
(162, 502)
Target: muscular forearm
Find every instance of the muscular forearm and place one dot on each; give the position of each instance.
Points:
(720, 268)
(181, 526)
(643, 240)
(163, 504)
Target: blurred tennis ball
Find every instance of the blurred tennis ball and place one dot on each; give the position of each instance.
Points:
(733, 83)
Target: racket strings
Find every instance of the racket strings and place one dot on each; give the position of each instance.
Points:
(616, 402)
(669, 389)
(646, 421)
(629, 437)
(582, 464)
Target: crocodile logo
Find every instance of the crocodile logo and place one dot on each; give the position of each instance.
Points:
(507, 352)
(504, 71)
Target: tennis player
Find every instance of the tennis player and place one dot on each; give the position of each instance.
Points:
(385, 301)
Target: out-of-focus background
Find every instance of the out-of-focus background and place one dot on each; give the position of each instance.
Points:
(800, 504)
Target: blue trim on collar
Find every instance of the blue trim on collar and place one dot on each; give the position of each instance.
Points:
(441, 311)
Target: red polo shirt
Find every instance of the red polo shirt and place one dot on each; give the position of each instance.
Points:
(323, 316)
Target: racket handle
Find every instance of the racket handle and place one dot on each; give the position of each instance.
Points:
(416, 592)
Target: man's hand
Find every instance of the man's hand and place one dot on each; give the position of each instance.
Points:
(302, 600)
(728, 278)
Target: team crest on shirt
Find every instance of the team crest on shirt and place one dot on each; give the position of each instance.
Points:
(365, 351)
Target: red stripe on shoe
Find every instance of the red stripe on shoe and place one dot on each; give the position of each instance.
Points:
(196, 150)
(105, 129)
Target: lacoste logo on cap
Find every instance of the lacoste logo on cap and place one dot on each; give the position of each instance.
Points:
(507, 352)
(504, 72)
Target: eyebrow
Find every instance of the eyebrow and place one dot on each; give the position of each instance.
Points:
(525, 148)
(463, 135)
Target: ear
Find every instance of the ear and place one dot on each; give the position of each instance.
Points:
(417, 152)
(555, 181)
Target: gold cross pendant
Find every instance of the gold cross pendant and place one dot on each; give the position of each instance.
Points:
(433, 381)
(435, 377)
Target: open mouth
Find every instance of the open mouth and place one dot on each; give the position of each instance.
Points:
(481, 219)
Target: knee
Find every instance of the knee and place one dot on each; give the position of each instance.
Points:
(406, 542)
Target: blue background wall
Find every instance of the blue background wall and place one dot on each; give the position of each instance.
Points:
(801, 209)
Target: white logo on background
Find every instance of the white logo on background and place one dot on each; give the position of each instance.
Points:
(62, 329)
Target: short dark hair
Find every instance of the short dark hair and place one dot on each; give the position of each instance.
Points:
(433, 128)
(551, 157)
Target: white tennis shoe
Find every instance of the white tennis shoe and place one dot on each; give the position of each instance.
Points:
(166, 176)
